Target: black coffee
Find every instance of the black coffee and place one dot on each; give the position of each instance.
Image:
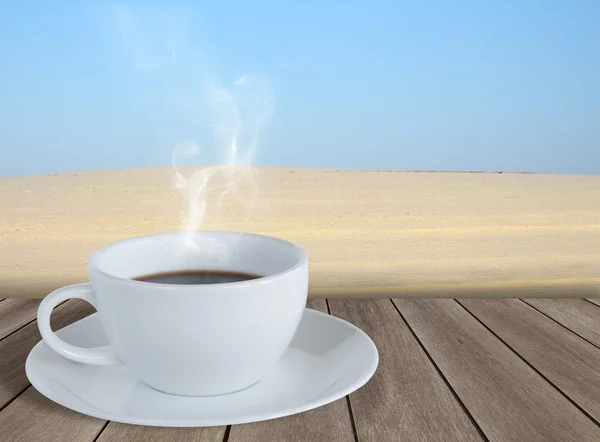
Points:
(197, 277)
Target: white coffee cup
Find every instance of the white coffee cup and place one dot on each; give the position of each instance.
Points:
(191, 340)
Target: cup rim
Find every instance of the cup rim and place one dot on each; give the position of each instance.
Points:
(96, 255)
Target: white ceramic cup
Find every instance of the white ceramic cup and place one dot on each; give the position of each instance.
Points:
(191, 340)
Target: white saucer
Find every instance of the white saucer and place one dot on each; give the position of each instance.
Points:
(327, 359)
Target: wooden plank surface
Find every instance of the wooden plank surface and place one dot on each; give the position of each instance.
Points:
(15, 313)
(116, 432)
(406, 399)
(507, 398)
(15, 348)
(442, 376)
(566, 360)
(368, 233)
(32, 417)
(578, 315)
(329, 423)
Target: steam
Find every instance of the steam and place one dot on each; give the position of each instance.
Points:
(238, 115)
(150, 37)
(235, 115)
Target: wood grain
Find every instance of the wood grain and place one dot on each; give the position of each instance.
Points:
(329, 423)
(568, 361)
(507, 398)
(406, 399)
(15, 313)
(15, 348)
(116, 432)
(369, 234)
(577, 315)
(32, 417)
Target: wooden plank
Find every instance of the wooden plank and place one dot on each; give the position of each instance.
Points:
(367, 233)
(578, 315)
(565, 359)
(32, 417)
(329, 423)
(116, 432)
(595, 301)
(15, 313)
(15, 348)
(406, 399)
(507, 398)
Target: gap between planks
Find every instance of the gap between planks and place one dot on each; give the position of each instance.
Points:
(441, 374)
(578, 316)
(561, 357)
(16, 314)
(595, 301)
(349, 400)
(26, 413)
(506, 396)
(15, 347)
(406, 399)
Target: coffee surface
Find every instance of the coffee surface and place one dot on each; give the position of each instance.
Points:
(197, 277)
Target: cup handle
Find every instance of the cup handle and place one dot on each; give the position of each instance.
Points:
(96, 356)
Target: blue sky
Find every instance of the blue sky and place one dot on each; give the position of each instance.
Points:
(431, 85)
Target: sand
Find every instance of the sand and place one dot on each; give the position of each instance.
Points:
(367, 233)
